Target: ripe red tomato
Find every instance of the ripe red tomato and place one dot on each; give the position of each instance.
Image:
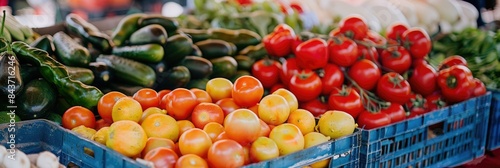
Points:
(279, 42)
(147, 98)
(452, 60)
(276, 87)
(393, 87)
(395, 111)
(306, 85)
(267, 71)
(162, 94)
(423, 79)
(375, 38)
(334, 32)
(365, 73)
(76, 116)
(435, 101)
(346, 99)
(331, 77)
(369, 53)
(180, 103)
(289, 68)
(417, 41)
(396, 30)
(354, 26)
(342, 51)
(316, 106)
(162, 157)
(227, 105)
(312, 54)
(205, 113)
(106, 103)
(396, 59)
(480, 88)
(247, 91)
(370, 120)
(230, 150)
(101, 123)
(417, 105)
(243, 126)
(456, 83)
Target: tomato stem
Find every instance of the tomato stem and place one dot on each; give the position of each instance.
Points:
(451, 81)
(370, 101)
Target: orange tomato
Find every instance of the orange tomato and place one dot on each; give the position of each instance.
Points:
(288, 138)
(255, 109)
(151, 110)
(180, 103)
(302, 119)
(247, 91)
(274, 109)
(204, 113)
(77, 116)
(162, 157)
(106, 103)
(221, 136)
(201, 95)
(264, 129)
(219, 88)
(227, 105)
(263, 149)
(315, 138)
(293, 103)
(243, 126)
(126, 108)
(126, 137)
(213, 130)
(191, 160)
(231, 152)
(147, 98)
(195, 141)
(154, 142)
(184, 125)
(246, 152)
(161, 126)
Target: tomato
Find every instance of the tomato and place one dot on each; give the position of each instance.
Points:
(201, 95)
(155, 142)
(452, 60)
(243, 126)
(316, 106)
(336, 124)
(375, 38)
(147, 98)
(289, 97)
(306, 85)
(417, 42)
(479, 89)
(162, 157)
(263, 149)
(288, 138)
(227, 105)
(394, 88)
(230, 150)
(416, 105)
(331, 77)
(205, 113)
(423, 79)
(289, 68)
(276, 87)
(267, 71)
(279, 42)
(247, 91)
(162, 94)
(365, 73)
(395, 111)
(346, 99)
(354, 26)
(76, 116)
(213, 130)
(101, 123)
(435, 101)
(180, 103)
(221, 136)
(219, 88)
(396, 30)
(342, 51)
(335, 32)
(184, 125)
(369, 53)
(396, 59)
(312, 54)
(106, 103)
(264, 129)
(370, 120)
(195, 141)
(274, 109)
(456, 83)
(191, 160)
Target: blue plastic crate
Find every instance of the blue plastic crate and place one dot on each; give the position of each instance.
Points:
(493, 140)
(39, 135)
(343, 151)
(442, 138)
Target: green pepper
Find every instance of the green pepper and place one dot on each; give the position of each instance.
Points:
(75, 92)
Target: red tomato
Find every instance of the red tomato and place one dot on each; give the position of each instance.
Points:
(434, 101)
(243, 126)
(195, 141)
(264, 129)
(101, 123)
(312, 54)
(205, 113)
(147, 98)
(267, 71)
(227, 105)
(106, 103)
(452, 60)
(162, 94)
(480, 88)
(354, 26)
(342, 51)
(396, 59)
(289, 68)
(230, 150)
(395, 111)
(423, 79)
(346, 99)
(201, 95)
(375, 38)
(276, 87)
(396, 30)
(370, 120)
(456, 83)
(334, 32)
(369, 53)
(180, 103)
(331, 77)
(76, 116)
(416, 105)
(393, 87)
(365, 73)
(162, 157)
(279, 42)
(306, 85)
(316, 106)
(417, 41)
(247, 91)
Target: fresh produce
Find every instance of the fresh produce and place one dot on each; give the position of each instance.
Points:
(69, 52)
(14, 30)
(89, 33)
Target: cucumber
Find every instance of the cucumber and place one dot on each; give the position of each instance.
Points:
(176, 77)
(37, 98)
(177, 48)
(196, 51)
(169, 24)
(198, 67)
(153, 33)
(46, 43)
(224, 67)
(128, 25)
(83, 75)
(244, 62)
(101, 73)
(197, 34)
(198, 83)
(211, 48)
(69, 52)
(129, 71)
(149, 53)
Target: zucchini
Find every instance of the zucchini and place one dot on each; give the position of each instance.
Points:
(149, 53)
(199, 67)
(69, 52)
(129, 71)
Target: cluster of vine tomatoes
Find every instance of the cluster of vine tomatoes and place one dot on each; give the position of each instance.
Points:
(378, 79)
